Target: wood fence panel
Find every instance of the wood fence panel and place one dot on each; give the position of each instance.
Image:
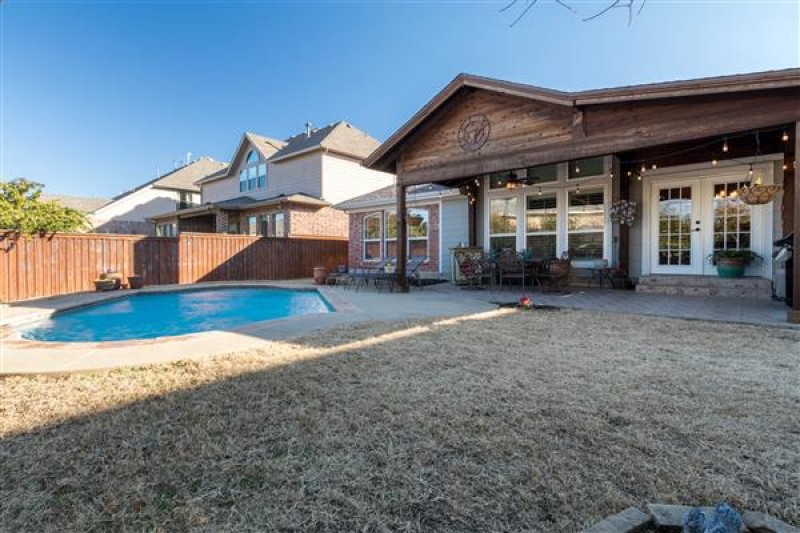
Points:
(34, 267)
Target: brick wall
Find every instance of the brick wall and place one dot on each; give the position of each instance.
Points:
(222, 222)
(355, 252)
(325, 222)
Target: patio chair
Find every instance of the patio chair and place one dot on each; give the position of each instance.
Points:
(412, 269)
(511, 265)
(471, 269)
(555, 272)
(362, 277)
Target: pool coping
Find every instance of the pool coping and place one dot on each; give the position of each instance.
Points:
(24, 356)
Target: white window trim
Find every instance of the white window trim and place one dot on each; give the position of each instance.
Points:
(561, 187)
(538, 233)
(365, 240)
(409, 238)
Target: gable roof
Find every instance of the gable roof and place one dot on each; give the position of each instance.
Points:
(381, 157)
(340, 137)
(180, 179)
(84, 204)
(386, 196)
(266, 146)
(185, 177)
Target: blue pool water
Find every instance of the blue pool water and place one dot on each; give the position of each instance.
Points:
(144, 316)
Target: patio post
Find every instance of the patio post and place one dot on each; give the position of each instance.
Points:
(794, 314)
(402, 240)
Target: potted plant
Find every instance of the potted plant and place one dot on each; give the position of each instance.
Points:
(732, 263)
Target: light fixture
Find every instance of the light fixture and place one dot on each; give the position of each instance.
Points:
(577, 169)
(785, 136)
(578, 189)
(785, 166)
(539, 192)
(477, 182)
(643, 169)
(630, 173)
(511, 185)
(750, 172)
(639, 177)
(725, 145)
(611, 174)
(714, 162)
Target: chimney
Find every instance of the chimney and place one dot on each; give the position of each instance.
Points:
(308, 129)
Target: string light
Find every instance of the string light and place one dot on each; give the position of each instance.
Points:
(577, 169)
(477, 182)
(578, 189)
(714, 162)
(639, 177)
(611, 174)
(785, 166)
(750, 172)
(539, 192)
(785, 136)
(630, 173)
(725, 145)
(654, 166)
(643, 169)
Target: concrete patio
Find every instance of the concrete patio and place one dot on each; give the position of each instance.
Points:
(441, 300)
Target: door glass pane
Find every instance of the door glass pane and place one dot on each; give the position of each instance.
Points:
(675, 226)
(731, 218)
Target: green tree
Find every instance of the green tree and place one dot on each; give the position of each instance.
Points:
(22, 211)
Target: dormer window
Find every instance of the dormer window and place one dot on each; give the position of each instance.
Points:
(253, 174)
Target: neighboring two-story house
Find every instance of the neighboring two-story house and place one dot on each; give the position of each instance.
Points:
(130, 211)
(284, 188)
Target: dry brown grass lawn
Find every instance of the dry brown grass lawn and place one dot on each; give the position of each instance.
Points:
(543, 421)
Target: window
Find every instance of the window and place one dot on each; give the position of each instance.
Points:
(263, 225)
(541, 220)
(417, 233)
(371, 228)
(586, 224)
(252, 225)
(582, 168)
(254, 173)
(541, 174)
(732, 218)
(279, 225)
(166, 230)
(233, 228)
(502, 223)
(417, 228)
(186, 200)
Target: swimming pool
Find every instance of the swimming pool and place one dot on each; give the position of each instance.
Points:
(150, 315)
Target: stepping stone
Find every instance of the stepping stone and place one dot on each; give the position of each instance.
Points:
(630, 520)
(670, 517)
(764, 523)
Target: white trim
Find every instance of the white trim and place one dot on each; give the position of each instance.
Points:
(562, 186)
(705, 175)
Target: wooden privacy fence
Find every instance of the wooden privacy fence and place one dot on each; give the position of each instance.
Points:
(217, 257)
(34, 267)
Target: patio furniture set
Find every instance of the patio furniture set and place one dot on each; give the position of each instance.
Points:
(506, 266)
(381, 275)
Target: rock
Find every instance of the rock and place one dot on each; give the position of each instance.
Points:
(764, 523)
(670, 517)
(630, 520)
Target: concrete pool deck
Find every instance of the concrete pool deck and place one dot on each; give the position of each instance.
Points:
(21, 356)
(18, 356)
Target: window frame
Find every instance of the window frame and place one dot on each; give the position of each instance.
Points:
(409, 239)
(365, 239)
(602, 231)
(553, 232)
(561, 187)
(250, 173)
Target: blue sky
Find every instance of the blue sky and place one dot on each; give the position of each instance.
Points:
(96, 96)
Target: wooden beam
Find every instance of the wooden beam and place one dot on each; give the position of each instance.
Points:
(578, 128)
(402, 240)
(794, 314)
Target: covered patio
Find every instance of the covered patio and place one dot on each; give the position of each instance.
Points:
(541, 169)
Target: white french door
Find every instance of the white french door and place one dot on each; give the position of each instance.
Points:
(677, 240)
(692, 216)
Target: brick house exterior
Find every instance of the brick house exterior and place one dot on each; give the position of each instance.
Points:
(284, 188)
(356, 248)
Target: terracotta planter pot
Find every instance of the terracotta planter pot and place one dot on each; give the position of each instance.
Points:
(320, 273)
